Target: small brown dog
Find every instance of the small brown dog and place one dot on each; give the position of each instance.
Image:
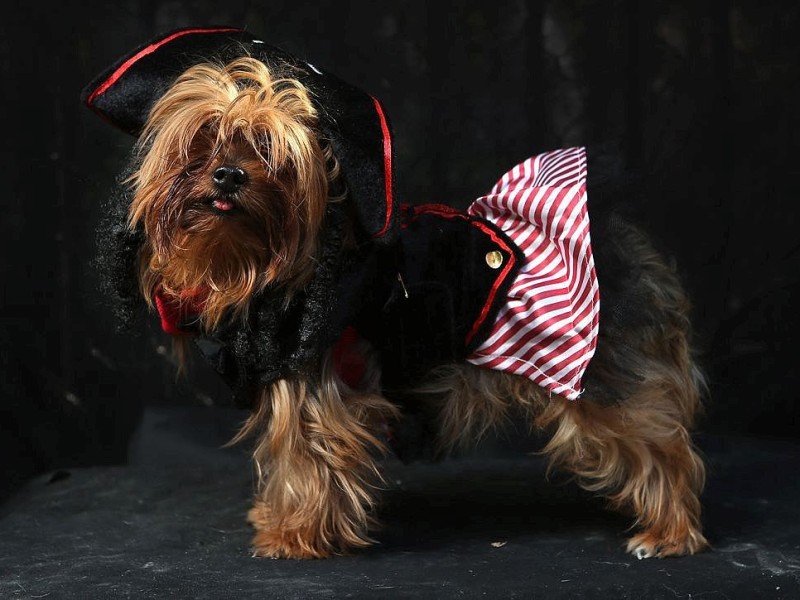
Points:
(231, 187)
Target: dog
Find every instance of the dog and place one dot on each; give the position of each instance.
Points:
(239, 198)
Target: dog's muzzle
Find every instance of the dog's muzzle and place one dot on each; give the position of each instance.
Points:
(229, 179)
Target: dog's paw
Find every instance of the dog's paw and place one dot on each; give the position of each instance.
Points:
(284, 544)
(651, 545)
(272, 541)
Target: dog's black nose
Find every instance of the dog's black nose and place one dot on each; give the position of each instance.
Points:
(228, 178)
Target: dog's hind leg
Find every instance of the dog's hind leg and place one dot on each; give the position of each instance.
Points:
(628, 436)
(639, 454)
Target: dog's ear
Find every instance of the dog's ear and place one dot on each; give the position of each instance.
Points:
(354, 121)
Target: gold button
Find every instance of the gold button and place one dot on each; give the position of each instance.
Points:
(494, 259)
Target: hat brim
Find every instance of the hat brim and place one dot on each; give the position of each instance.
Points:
(355, 122)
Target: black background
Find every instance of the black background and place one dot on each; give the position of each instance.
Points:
(703, 96)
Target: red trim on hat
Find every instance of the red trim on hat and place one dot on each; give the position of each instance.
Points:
(122, 69)
(387, 166)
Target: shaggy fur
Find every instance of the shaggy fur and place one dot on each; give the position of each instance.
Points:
(238, 114)
(317, 441)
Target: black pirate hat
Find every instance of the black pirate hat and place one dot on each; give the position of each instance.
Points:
(353, 121)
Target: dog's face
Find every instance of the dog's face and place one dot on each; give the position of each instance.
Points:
(230, 187)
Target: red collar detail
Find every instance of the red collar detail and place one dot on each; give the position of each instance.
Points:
(179, 314)
(348, 361)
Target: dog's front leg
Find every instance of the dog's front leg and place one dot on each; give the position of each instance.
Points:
(317, 475)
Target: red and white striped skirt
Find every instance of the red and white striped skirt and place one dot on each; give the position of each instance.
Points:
(547, 329)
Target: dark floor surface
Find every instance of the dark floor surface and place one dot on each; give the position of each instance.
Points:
(171, 525)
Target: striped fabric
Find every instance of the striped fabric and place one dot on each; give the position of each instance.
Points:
(547, 330)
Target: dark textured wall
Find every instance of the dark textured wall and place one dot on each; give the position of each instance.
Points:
(703, 96)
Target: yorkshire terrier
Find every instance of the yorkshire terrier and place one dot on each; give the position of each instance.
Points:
(232, 186)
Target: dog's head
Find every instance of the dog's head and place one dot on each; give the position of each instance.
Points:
(230, 187)
(239, 146)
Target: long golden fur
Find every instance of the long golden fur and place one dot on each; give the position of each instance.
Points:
(316, 441)
(315, 454)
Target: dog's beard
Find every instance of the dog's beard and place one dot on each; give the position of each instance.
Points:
(261, 238)
(226, 263)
